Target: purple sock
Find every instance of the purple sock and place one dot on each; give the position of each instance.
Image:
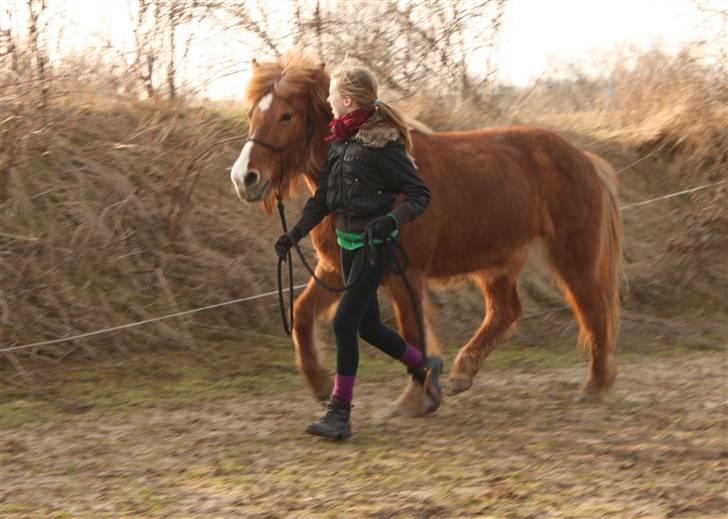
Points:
(412, 357)
(344, 387)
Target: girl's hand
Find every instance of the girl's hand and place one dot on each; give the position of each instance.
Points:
(382, 227)
(286, 242)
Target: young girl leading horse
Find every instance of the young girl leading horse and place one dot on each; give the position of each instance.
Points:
(368, 165)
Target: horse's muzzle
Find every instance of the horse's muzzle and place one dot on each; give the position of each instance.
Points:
(253, 193)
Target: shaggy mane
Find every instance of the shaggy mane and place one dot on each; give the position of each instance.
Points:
(297, 72)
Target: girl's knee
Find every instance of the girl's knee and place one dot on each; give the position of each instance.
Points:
(371, 332)
(342, 326)
(366, 334)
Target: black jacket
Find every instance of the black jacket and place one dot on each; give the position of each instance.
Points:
(361, 178)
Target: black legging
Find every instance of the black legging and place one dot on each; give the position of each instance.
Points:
(359, 311)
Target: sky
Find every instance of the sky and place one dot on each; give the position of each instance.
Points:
(539, 32)
(536, 34)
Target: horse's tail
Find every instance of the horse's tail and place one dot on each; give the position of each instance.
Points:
(610, 264)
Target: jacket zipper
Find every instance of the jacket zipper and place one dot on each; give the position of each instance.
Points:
(343, 189)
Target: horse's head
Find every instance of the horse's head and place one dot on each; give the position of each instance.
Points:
(288, 115)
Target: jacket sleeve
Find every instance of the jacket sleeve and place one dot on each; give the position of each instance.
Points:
(401, 174)
(316, 207)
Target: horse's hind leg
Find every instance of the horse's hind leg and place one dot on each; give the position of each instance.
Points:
(586, 253)
(586, 297)
(502, 310)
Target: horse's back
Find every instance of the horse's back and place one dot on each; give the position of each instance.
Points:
(502, 188)
(525, 159)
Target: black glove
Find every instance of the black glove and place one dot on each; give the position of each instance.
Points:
(381, 228)
(287, 241)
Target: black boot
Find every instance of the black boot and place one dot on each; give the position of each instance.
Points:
(335, 423)
(428, 374)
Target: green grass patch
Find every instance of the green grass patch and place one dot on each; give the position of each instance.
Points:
(176, 379)
(168, 380)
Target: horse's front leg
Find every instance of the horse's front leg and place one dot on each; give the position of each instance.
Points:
(309, 305)
(413, 401)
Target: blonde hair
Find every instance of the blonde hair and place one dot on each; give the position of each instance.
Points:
(361, 84)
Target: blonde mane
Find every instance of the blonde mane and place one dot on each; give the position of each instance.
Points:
(297, 72)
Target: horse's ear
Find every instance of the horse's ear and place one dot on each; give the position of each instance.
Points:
(254, 63)
(322, 66)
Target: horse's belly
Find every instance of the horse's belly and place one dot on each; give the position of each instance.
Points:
(465, 262)
(463, 251)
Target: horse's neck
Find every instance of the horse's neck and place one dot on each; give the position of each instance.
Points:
(316, 162)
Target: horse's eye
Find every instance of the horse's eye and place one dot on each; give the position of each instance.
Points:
(286, 117)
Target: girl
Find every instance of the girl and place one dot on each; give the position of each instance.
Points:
(367, 166)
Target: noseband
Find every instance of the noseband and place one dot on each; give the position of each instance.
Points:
(308, 135)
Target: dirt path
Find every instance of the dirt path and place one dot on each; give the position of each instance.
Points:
(515, 445)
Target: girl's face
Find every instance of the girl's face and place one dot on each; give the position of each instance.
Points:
(340, 105)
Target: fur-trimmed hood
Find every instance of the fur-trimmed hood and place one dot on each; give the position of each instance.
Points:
(377, 132)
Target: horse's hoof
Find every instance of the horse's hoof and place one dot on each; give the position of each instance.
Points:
(322, 396)
(458, 385)
(407, 409)
(320, 384)
(412, 402)
(323, 392)
(589, 397)
(431, 404)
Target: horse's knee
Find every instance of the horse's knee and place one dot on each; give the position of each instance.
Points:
(302, 334)
(303, 311)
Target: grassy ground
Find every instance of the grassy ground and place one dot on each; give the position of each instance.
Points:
(221, 434)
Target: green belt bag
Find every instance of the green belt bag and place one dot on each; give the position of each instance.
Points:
(355, 240)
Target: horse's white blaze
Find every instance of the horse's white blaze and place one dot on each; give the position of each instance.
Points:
(237, 174)
(240, 168)
(265, 101)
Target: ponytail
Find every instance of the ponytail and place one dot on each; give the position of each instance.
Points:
(361, 84)
(397, 119)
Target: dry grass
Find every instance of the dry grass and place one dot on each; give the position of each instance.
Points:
(108, 219)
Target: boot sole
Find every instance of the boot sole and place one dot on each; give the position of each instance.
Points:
(338, 436)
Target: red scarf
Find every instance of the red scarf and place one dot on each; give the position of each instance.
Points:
(344, 127)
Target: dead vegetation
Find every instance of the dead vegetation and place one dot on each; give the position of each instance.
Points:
(117, 209)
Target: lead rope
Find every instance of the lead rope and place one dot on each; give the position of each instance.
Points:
(356, 267)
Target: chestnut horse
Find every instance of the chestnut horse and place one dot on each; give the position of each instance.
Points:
(495, 192)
